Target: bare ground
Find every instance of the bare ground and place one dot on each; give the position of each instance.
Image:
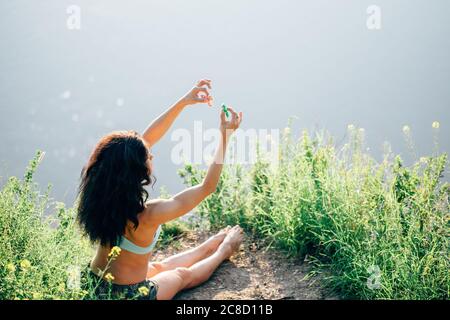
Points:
(254, 273)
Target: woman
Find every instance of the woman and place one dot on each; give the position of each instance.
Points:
(113, 210)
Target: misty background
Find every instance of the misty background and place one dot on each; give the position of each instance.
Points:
(62, 89)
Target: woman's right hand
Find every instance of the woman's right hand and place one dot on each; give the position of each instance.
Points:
(198, 94)
(231, 125)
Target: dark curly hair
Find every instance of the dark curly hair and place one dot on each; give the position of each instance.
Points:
(111, 190)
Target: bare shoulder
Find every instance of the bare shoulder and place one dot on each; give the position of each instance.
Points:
(153, 204)
(153, 207)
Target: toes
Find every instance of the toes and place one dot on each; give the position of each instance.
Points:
(238, 228)
(225, 230)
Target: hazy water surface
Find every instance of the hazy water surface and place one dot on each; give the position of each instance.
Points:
(61, 90)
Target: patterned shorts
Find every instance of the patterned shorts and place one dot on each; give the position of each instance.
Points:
(144, 290)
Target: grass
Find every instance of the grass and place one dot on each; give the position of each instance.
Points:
(380, 230)
(42, 255)
(37, 251)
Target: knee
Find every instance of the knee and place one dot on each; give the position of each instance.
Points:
(158, 266)
(185, 274)
(154, 268)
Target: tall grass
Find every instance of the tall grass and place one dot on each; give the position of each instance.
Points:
(380, 229)
(37, 251)
(42, 252)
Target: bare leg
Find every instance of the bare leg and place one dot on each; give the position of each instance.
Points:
(189, 257)
(172, 281)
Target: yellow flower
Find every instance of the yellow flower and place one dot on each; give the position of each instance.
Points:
(350, 127)
(61, 287)
(114, 253)
(25, 264)
(436, 125)
(109, 277)
(83, 293)
(144, 291)
(11, 267)
(406, 129)
(37, 296)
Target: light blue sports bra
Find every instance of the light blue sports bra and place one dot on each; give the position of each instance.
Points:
(126, 244)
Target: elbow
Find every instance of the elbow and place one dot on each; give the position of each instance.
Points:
(209, 188)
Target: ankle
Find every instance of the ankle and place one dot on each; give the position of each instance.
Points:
(225, 249)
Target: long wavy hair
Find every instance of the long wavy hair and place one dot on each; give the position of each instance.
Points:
(111, 190)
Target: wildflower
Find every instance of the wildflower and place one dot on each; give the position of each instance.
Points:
(11, 267)
(61, 287)
(25, 264)
(350, 127)
(144, 291)
(436, 125)
(287, 131)
(109, 277)
(83, 293)
(406, 129)
(115, 251)
(37, 296)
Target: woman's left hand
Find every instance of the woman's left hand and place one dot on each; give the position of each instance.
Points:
(199, 93)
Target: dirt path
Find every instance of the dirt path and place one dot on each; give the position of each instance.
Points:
(253, 273)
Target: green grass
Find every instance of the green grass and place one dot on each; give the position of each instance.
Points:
(42, 255)
(359, 220)
(362, 221)
(37, 251)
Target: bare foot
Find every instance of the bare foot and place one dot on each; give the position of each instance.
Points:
(213, 242)
(232, 241)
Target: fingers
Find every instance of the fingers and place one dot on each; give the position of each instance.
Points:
(234, 115)
(204, 82)
(223, 117)
(200, 89)
(202, 95)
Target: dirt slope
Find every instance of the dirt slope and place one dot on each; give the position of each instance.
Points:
(253, 273)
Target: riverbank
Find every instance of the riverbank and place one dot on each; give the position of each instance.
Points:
(377, 230)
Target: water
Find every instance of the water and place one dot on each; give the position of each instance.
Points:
(61, 89)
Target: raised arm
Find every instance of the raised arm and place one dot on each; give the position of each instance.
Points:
(163, 210)
(198, 94)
